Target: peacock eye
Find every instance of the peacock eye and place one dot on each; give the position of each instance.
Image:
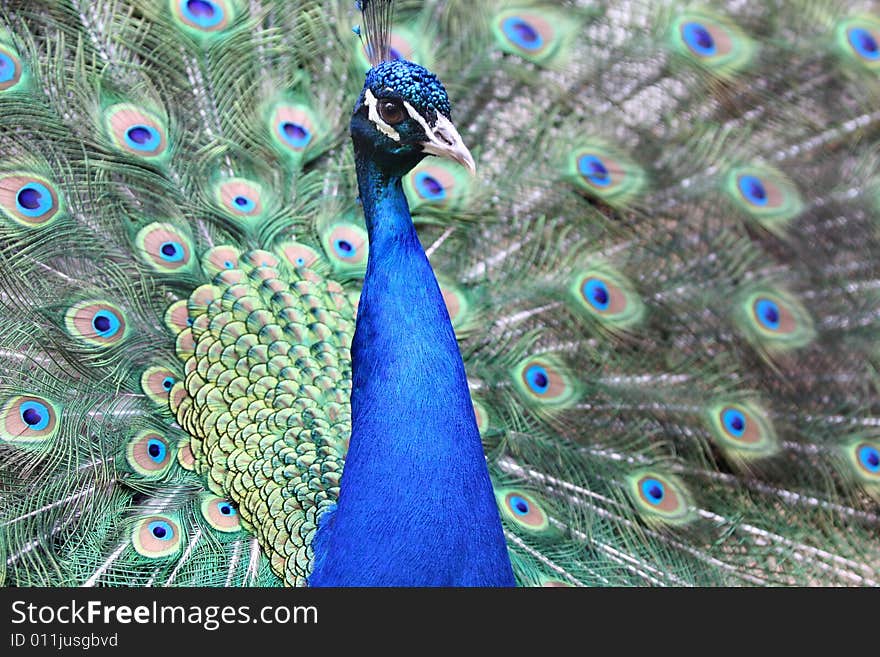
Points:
(391, 111)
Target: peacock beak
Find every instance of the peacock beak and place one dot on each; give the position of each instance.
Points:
(444, 141)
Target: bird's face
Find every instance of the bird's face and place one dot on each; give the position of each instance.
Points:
(402, 116)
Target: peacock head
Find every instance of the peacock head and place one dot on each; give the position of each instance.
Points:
(402, 116)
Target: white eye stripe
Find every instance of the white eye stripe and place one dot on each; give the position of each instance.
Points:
(372, 104)
(419, 119)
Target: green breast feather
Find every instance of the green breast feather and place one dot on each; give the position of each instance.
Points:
(266, 398)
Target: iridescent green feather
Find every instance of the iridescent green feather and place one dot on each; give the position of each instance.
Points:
(710, 40)
(537, 32)
(604, 172)
(289, 332)
(764, 195)
(773, 319)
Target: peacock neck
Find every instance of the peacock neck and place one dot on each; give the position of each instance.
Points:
(386, 212)
(416, 505)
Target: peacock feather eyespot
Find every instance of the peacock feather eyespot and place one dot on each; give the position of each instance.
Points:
(149, 454)
(294, 127)
(741, 428)
(157, 382)
(770, 315)
(659, 498)
(299, 255)
(240, 198)
(604, 172)
(346, 247)
(701, 40)
(869, 459)
(95, 322)
(860, 460)
(28, 199)
(220, 514)
(864, 43)
(156, 536)
(774, 319)
(428, 187)
(295, 134)
(533, 35)
(537, 378)
(11, 70)
(595, 170)
(858, 39)
(604, 294)
(457, 303)
(165, 247)
(29, 419)
(863, 456)
(712, 41)
(203, 17)
(522, 509)
(482, 417)
(437, 183)
(136, 131)
(765, 194)
(543, 381)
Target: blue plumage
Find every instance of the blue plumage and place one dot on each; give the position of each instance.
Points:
(416, 506)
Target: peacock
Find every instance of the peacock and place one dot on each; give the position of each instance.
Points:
(280, 307)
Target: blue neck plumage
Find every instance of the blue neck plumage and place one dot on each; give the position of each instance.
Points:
(416, 505)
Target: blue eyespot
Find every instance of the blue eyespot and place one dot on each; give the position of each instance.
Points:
(429, 187)
(518, 505)
(105, 323)
(157, 450)
(521, 34)
(734, 422)
(344, 248)
(168, 383)
(203, 13)
(244, 204)
(172, 251)
(869, 457)
(35, 414)
(227, 509)
(295, 134)
(161, 530)
(538, 379)
(699, 39)
(594, 170)
(768, 313)
(653, 491)
(753, 190)
(7, 68)
(143, 138)
(864, 43)
(34, 200)
(596, 293)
